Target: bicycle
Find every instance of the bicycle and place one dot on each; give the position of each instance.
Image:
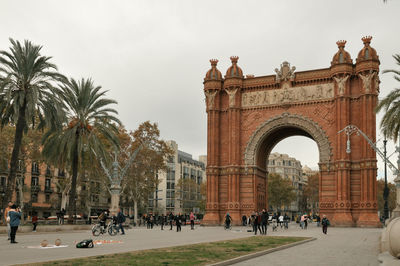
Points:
(227, 227)
(111, 228)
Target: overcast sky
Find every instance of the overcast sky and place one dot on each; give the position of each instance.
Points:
(152, 55)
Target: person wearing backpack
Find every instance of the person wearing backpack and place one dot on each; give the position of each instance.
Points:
(325, 223)
(120, 220)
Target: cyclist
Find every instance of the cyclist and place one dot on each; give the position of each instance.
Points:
(228, 220)
(103, 219)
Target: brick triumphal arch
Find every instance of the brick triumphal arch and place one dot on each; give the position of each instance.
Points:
(248, 116)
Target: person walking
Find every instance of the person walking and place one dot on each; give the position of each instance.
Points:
(171, 219)
(10, 204)
(302, 221)
(228, 220)
(255, 225)
(244, 219)
(318, 220)
(14, 217)
(34, 222)
(62, 214)
(325, 223)
(264, 221)
(305, 221)
(120, 220)
(178, 220)
(281, 220)
(192, 217)
(162, 220)
(286, 221)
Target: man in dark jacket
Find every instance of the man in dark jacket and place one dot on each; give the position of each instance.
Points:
(255, 223)
(325, 223)
(15, 217)
(264, 221)
(120, 221)
(178, 220)
(171, 219)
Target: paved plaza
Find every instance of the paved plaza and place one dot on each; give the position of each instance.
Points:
(342, 246)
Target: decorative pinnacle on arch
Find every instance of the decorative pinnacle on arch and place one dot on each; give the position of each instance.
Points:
(214, 62)
(366, 40)
(341, 43)
(234, 59)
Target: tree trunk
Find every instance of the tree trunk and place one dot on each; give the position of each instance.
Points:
(135, 214)
(19, 131)
(72, 194)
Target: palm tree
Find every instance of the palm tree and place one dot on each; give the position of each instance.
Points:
(390, 123)
(27, 82)
(90, 119)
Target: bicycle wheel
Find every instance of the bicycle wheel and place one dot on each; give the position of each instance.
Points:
(112, 230)
(96, 230)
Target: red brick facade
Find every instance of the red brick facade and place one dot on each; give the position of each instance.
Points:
(248, 116)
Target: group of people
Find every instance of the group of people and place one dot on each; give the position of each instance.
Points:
(118, 219)
(260, 220)
(150, 220)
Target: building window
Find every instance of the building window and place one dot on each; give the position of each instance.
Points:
(34, 197)
(35, 181)
(47, 198)
(170, 185)
(185, 172)
(35, 168)
(47, 183)
(48, 172)
(3, 181)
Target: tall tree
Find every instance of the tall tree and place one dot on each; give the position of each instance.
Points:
(280, 191)
(141, 179)
(89, 116)
(390, 123)
(27, 83)
(311, 192)
(391, 198)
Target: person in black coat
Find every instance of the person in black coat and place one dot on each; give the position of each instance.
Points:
(171, 218)
(255, 223)
(264, 222)
(120, 221)
(178, 220)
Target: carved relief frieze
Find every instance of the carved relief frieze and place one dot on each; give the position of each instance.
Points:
(287, 95)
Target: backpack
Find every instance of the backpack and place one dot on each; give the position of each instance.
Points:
(87, 243)
(101, 216)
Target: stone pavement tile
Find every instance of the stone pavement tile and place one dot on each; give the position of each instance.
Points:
(336, 248)
(341, 246)
(386, 259)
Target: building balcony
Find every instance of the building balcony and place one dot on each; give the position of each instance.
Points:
(35, 188)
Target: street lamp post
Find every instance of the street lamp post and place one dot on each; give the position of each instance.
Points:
(386, 189)
(350, 129)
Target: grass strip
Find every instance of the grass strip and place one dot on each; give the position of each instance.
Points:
(196, 254)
